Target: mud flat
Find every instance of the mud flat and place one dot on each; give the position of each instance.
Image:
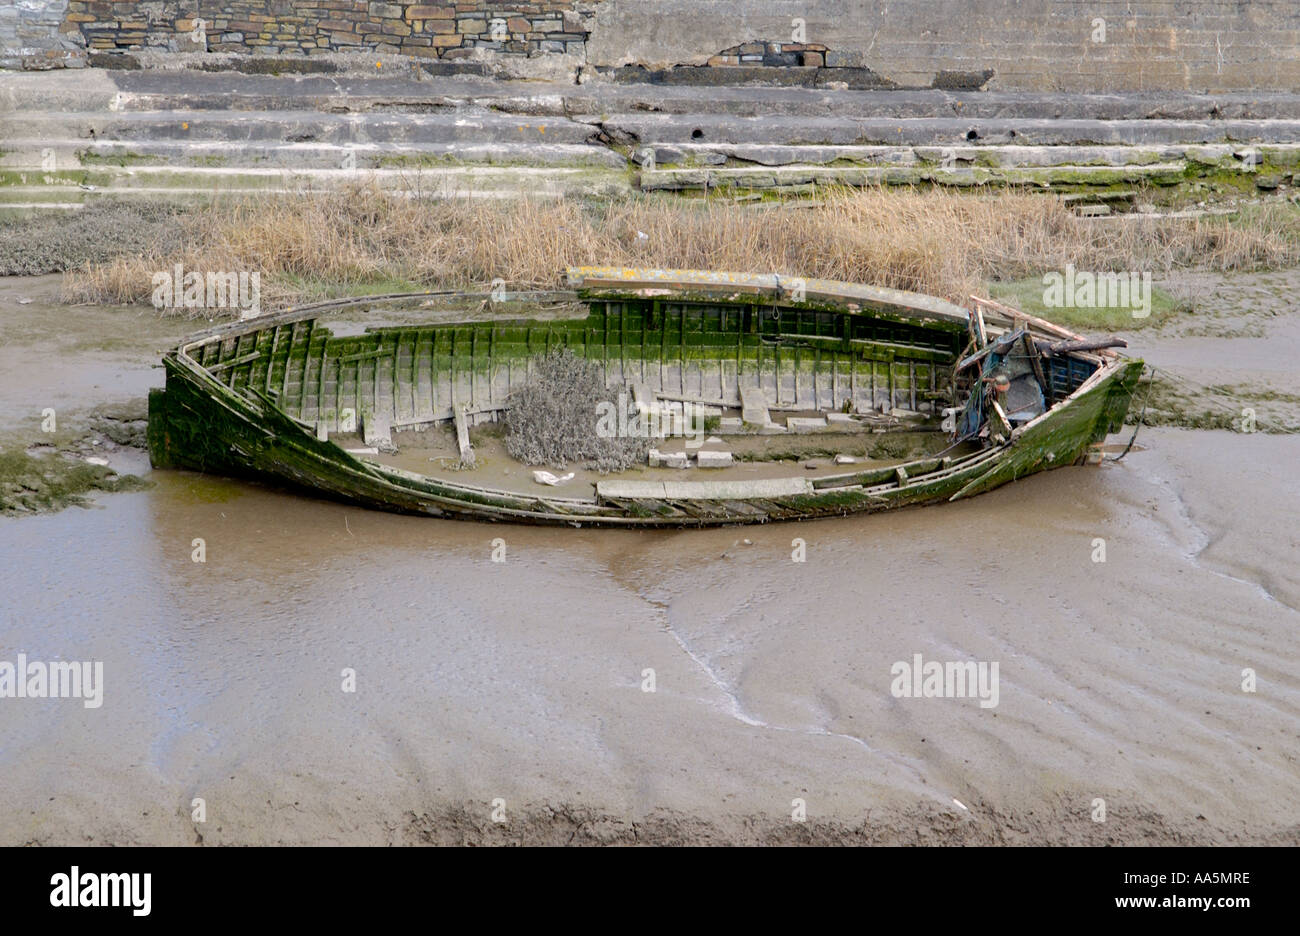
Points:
(523, 680)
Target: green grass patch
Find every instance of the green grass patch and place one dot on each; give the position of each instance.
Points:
(210, 161)
(117, 159)
(313, 288)
(1030, 295)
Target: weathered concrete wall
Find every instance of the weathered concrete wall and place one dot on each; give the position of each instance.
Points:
(1067, 45)
(1078, 45)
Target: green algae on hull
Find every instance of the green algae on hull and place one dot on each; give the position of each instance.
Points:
(261, 398)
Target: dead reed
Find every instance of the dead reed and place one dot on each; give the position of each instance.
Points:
(938, 242)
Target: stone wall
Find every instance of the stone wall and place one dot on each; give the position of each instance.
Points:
(30, 33)
(314, 27)
(1065, 45)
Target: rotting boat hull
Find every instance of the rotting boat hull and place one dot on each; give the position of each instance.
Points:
(232, 417)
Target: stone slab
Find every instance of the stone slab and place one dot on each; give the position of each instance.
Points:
(753, 406)
(805, 424)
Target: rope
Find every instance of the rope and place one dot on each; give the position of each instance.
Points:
(1138, 427)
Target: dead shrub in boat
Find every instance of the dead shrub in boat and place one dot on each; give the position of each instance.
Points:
(552, 418)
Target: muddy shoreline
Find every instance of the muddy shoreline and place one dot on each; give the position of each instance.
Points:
(523, 681)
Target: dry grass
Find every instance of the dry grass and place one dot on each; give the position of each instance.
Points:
(938, 242)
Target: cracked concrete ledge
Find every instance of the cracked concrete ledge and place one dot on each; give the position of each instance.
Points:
(72, 137)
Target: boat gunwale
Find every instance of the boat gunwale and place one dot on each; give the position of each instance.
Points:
(591, 509)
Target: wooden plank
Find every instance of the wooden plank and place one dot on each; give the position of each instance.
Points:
(415, 375)
(288, 363)
(231, 363)
(1036, 362)
(1012, 314)
(235, 361)
(660, 319)
(320, 390)
(376, 402)
(681, 350)
(364, 355)
(462, 436)
(270, 364)
(396, 389)
(306, 371)
(999, 425)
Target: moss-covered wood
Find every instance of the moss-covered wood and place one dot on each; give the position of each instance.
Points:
(249, 399)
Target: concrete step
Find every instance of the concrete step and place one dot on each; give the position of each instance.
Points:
(81, 179)
(181, 89)
(32, 153)
(937, 131)
(1218, 155)
(72, 153)
(80, 185)
(769, 141)
(190, 134)
(468, 126)
(788, 177)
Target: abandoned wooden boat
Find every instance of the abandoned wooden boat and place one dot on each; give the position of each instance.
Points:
(808, 387)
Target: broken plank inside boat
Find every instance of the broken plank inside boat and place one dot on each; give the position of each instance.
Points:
(768, 398)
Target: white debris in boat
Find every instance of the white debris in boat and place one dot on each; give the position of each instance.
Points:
(961, 804)
(96, 460)
(805, 423)
(845, 460)
(23, 300)
(545, 477)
